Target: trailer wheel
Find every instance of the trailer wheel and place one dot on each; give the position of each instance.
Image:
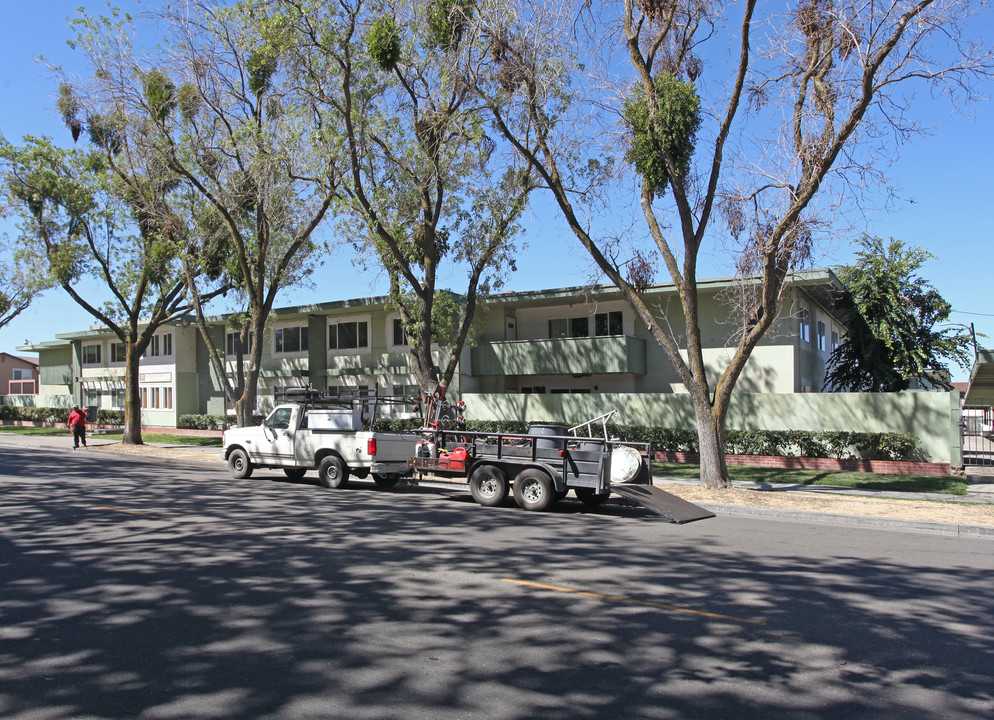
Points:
(294, 473)
(239, 465)
(533, 490)
(588, 497)
(332, 472)
(488, 484)
(385, 481)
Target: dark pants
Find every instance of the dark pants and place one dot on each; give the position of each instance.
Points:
(78, 434)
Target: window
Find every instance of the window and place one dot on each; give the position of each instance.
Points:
(143, 393)
(406, 390)
(21, 374)
(280, 419)
(569, 327)
(233, 345)
(117, 352)
(156, 397)
(117, 399)
(805, 326)
(348, 335)
(92, 397)
(533, 390)
(91, 354)
(609, 323)
(835, 340)
(167, 344)
(153, 347)
(348, 391)
(822, 345)
(399, 336)
(291, 339)
(167, 398)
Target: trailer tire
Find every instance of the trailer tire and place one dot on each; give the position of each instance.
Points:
(333, 473)
(385, 481)
(488, 483)
(588, 497)
(533, 490)
(294, 473)
(239, 465)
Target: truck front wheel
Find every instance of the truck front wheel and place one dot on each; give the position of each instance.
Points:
(332, 472)
(488, 485)
(239, 465)
(533, 490)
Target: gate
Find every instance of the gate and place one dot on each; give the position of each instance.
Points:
(976, 427)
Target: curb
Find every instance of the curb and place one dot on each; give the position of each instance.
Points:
(973, 531)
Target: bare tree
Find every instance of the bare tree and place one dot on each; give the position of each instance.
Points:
(424, 189)
(742, 122)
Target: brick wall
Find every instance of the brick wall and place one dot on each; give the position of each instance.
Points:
(890, 467)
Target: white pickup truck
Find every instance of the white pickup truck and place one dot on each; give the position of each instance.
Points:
(322, 435)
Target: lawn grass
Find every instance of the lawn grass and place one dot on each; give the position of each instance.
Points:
(116, 436)
(945, 484)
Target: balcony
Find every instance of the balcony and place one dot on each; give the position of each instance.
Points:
(561, 356)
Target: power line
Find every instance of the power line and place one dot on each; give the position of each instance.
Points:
(964, 312)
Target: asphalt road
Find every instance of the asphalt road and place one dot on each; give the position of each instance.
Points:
(135, 589)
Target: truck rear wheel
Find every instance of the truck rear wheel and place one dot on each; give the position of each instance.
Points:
(588, 497)
(333, 473)
(239, 465)
(488, 484)
(533, 490)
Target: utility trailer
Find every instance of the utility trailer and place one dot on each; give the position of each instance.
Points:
(541, 467)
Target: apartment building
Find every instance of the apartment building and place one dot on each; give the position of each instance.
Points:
(566, 340)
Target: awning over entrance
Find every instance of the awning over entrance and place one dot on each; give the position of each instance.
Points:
(981, 388)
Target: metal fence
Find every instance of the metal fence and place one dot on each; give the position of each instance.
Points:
(977, 436)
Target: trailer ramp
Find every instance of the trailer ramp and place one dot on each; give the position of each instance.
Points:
(674, 509)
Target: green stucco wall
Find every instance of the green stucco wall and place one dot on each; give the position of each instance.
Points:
(928, 415)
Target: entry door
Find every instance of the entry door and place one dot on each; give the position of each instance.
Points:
(510, 328)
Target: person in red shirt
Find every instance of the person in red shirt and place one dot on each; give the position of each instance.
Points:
(77, 423)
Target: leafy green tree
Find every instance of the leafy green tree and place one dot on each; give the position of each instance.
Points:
(425, 191)
(797, 106)
(895, 340)
(77, 215)
(22, 278)
(220, 120)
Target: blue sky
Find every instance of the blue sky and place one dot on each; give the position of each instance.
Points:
(948, 177)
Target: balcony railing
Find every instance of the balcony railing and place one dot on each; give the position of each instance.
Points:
(561, 356)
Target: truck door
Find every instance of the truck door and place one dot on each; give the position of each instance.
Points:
(279, 435)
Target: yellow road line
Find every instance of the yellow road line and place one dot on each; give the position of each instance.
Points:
(129, 512)
(615, 598)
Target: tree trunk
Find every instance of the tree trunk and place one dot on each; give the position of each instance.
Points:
(711, 443)
(132, 397)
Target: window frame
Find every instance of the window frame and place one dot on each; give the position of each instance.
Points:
(334, 335)
(283, 335)
(97, 354)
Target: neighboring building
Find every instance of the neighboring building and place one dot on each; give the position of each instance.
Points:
(568, 340)
(18, 375)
